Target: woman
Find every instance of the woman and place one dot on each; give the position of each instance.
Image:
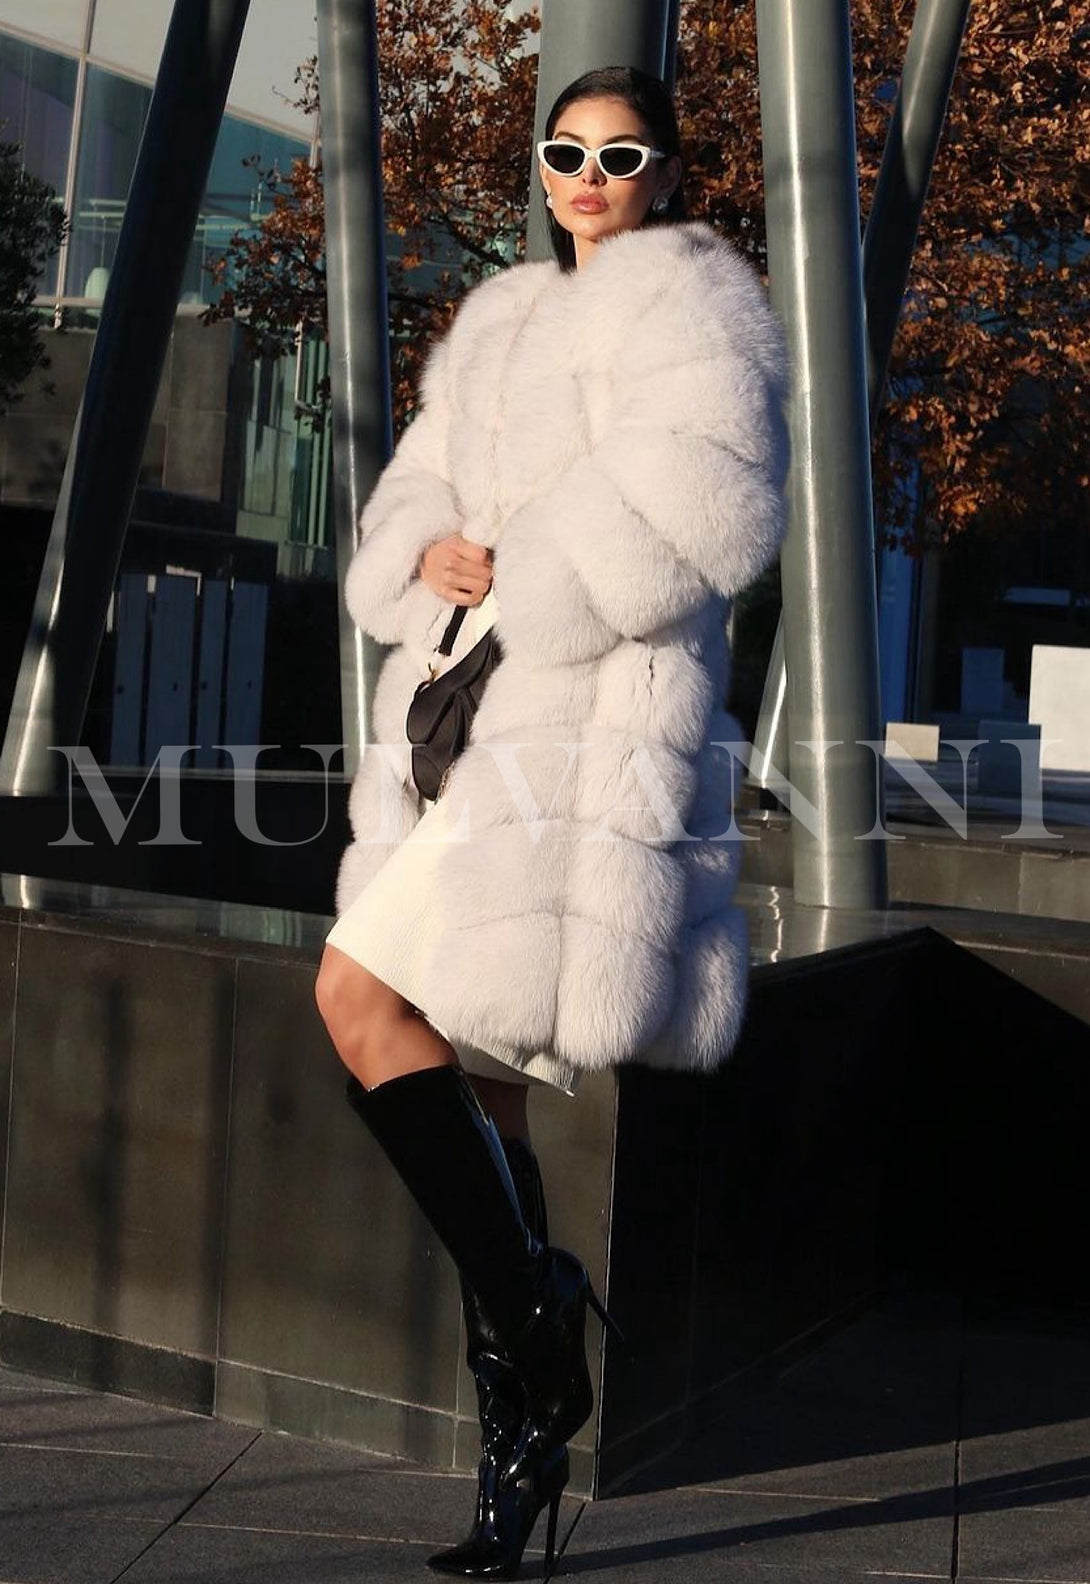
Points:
(597, 465)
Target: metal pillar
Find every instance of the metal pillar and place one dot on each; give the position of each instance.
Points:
(103, 465)
(578, 37)
(359, 335)
(827, 567)
(892, 226)
(770, 734)
(673, 20)
(934, 46)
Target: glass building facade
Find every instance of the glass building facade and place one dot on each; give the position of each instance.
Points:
(114, 110)
(233, 459)
(234, 493)
(37, 106)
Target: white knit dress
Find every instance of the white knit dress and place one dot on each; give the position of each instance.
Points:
(371, 929)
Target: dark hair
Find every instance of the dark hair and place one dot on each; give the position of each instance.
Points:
(652, 102)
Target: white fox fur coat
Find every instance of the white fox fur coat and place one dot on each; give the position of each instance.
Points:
(618, 435)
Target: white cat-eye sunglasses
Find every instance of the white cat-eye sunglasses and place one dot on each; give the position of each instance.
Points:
(618, 160)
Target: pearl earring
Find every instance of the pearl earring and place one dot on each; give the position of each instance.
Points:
(548, 200)
(661, 204)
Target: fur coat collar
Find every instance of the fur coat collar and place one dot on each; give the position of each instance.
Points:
(617, 435)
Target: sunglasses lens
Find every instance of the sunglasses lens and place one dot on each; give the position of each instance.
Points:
(564, 158)
(621, 160)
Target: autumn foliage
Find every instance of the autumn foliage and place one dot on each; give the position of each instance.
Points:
(985, 417)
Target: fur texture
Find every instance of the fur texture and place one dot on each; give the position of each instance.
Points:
(618, 435)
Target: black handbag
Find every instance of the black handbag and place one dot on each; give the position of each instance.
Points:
(443, 707)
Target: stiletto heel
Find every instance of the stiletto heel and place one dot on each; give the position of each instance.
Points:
(550, 1536)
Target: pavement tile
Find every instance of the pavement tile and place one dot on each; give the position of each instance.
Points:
(93, 1421)
(1019, 1382)
(872, 1412)
(72, 1486)
(812, 1448)
(883, 1345)
(41, 1548)
(285, 1484)
(904, 1533)
(1025, 1459)
(875, 1378)
(874, 1474)
(715, 1567)
(190, 1553)
(840, 1470)
(1032, 1543)
(1031, 1460)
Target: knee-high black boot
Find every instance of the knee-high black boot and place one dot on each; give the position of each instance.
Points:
(501, 1399)
(448, 1154)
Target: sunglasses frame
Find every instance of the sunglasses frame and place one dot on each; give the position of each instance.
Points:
(648, 154)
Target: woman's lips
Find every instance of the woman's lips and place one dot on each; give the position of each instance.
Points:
(588, 205)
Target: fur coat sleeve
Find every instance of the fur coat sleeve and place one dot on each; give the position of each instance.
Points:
(679, 492)
(412, 506)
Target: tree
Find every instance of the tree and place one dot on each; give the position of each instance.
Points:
(984, 418)
(988, 386)
(32, 227)
(457, 101)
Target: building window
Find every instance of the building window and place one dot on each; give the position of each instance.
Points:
(37, 97)
(113, 119)
(234, 199)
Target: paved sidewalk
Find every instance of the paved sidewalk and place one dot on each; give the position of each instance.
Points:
(914, 1445)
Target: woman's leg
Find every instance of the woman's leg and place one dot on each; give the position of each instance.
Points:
(379, 1035)
(406, 1086)
(376, 1032)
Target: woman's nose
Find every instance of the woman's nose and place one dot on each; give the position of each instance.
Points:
(592, 172)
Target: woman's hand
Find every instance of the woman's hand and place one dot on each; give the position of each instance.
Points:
(457, 569)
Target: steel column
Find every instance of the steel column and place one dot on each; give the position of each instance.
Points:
(770, 734)
(111, 428)
(577, 37)
(912, 142)
(908, 159)
(359, 333)
(827, 567)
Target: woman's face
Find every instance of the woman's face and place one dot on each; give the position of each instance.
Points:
(593, 206)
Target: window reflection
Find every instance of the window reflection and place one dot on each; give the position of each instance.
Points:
(235, 198)
(37, 95)
(228, 551)
(113, 120)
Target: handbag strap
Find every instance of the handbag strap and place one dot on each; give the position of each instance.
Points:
(446, 643)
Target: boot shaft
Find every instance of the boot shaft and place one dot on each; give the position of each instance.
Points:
(448, 1154)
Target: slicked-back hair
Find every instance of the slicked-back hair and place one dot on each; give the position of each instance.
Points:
(651, 100)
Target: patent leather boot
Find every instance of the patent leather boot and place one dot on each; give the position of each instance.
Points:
(513, 1511)
(448, 1154)
(501, 1400)
(550, 1357)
